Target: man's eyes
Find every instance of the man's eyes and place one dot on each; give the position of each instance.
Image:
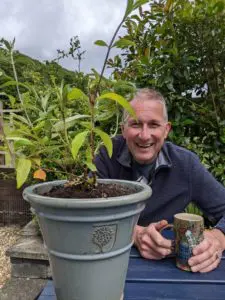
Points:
(135, 125)
(139, 125)
(154, 125)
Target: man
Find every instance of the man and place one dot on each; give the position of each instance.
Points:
(176, 176)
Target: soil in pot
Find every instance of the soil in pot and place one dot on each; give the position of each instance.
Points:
(80, 191)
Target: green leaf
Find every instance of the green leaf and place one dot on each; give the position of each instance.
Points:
(13, 82)
(39, 126)
(11, 98)
(22, 171)
(44, 101)
(120, 100)
(168, 5)
(7, 44)
(87, 125)
(188, 122)
(106, 140)
(219, 6)
(129, 7)
(121, 43)
(78, 142)
(19, 141)
(88, 154)
(76, 94)
(89, 159)
(69, 122)
(91, 166)
(101, 43)
(139, 3)
(103, 116)
(20, 118)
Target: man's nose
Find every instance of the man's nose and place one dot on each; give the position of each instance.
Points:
(145, 133)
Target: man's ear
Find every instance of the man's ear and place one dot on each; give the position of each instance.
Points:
(122, 129)
(168, 128)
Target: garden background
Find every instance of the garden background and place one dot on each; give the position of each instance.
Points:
(176, 47)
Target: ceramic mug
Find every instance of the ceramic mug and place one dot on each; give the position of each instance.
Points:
(188, 230)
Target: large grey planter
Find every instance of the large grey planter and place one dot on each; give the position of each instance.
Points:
(88, 240)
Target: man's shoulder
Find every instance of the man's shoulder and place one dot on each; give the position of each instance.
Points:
(118, 139)
(118, 142)
(174, 150)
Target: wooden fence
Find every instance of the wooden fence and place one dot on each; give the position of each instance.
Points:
(13, 208)
(6, 160)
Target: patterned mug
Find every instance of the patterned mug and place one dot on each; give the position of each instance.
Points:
(188, 229)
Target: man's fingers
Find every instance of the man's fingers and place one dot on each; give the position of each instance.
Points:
(207, 265)
(206, 256)
(153, 240)
(151, 254)
(204, 246)
(160, 225)
(149, 244)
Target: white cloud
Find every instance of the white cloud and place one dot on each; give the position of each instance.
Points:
(41, 27)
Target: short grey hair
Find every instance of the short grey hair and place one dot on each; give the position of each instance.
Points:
(148, 94)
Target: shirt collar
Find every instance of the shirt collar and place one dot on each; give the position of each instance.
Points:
(162, 160)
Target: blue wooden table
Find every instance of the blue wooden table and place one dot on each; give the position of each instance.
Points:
(154, 280)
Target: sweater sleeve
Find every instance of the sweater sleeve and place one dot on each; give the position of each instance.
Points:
(101, 163)
(207, 193)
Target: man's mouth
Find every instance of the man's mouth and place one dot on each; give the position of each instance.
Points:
(145, 146)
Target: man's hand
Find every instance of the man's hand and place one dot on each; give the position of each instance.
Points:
(149, 241)
(207, 255)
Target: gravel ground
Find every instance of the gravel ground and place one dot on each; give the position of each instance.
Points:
(8, 236)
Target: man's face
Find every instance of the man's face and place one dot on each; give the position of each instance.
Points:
(145, 136)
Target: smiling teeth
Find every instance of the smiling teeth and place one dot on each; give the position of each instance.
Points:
(145, 146)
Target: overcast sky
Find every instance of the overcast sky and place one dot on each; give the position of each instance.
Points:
(41, 27)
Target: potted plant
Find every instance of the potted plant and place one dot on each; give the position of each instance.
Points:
(87, 224)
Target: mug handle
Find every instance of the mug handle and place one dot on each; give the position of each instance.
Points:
(166, 226)
(173, 241)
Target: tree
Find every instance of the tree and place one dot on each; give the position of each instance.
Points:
(74, 51)
(177, 47)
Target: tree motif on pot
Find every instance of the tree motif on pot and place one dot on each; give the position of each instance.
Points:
(103, 236)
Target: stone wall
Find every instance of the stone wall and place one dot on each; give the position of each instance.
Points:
(28, 256)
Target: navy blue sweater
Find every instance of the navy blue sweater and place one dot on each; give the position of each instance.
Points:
(178, 179)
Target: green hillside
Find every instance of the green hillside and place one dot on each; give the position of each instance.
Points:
(39, 75)
(25, 65)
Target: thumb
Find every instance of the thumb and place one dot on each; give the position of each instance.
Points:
(160, 225)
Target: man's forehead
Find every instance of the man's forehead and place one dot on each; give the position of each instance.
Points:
(146, 104)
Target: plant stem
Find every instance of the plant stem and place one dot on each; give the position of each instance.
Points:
(108, 52)
(92, 106)
(117, 124)
(17, 86)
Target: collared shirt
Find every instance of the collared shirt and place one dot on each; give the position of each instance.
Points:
(143, 173)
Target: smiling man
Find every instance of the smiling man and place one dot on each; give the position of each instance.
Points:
(145, 136)
(176, 176)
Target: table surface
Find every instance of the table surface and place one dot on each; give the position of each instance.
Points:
(155, 280)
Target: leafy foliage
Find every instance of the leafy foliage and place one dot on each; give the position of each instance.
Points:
(57, 131)
(177, 47)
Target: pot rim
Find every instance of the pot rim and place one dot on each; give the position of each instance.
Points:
(143, 194)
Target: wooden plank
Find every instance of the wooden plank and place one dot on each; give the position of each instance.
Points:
(166, 271)
(158, 291)
(151, 280)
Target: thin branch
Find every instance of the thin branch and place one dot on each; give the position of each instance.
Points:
(108, 52)
(17, 86)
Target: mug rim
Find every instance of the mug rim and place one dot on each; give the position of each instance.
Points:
(188, 217)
